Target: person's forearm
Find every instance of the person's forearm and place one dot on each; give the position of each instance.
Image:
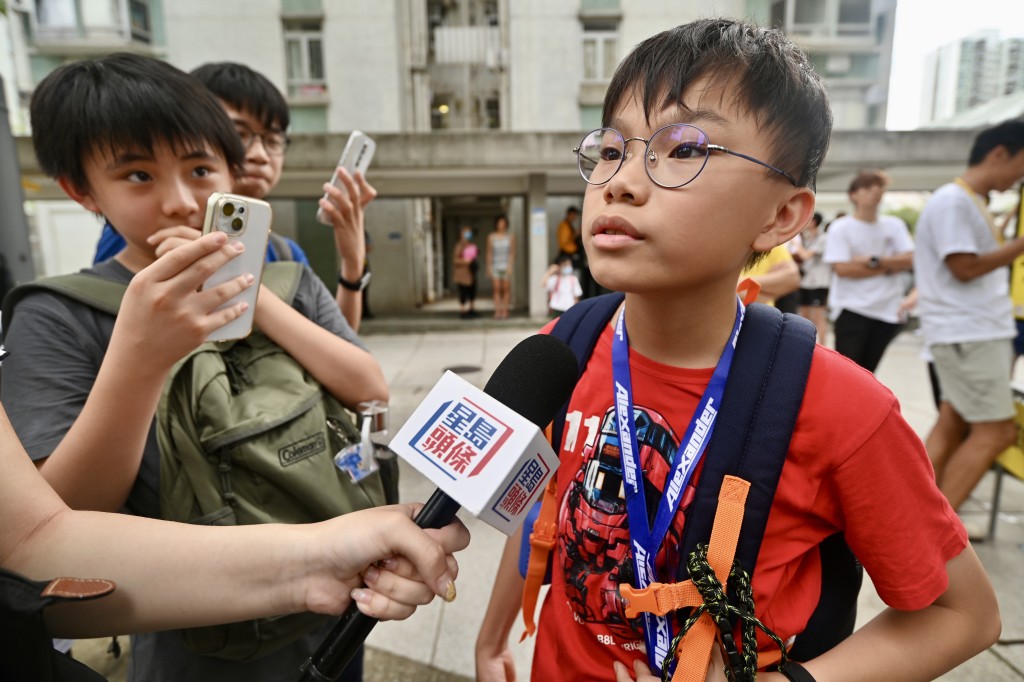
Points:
(779, 281)
(351, 266)
(212, 574)
(348, 372)
(351, 305)
(506, 600)
(898, 263)
(968, 266)
(919, 645)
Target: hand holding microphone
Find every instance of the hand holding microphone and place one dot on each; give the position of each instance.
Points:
(485, 451)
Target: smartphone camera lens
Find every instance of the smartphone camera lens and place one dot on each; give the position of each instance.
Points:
(241, 210)
(228, 209)
(236, 224)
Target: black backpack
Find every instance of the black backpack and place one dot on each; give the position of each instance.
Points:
(751, 439)
(27, 653)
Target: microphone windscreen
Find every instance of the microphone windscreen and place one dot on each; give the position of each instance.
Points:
(536, 378)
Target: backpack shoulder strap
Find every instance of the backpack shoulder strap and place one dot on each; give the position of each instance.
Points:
(763, 395)
(94, 291)
(283, 278)
(281, 247)
(580, 327)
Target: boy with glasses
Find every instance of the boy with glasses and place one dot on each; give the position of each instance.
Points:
(260, 114)
(714, 133)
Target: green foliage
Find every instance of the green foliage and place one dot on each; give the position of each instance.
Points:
(906, 214)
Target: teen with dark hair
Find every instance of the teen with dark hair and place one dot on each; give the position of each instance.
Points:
(260, 115)
(713, 135)
(166, 575)
(870, 255)
(966, 314)
(144, 144)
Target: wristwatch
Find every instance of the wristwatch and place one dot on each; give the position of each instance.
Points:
(874, 262)
(796, 672)
(357, 285)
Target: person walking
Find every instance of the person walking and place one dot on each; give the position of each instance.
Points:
(501, 255)
(868, 253)
(961, 268)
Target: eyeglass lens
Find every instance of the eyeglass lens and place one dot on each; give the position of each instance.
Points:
(675, 155)
(274, 143)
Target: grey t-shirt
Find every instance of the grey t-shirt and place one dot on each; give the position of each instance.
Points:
(56, 347)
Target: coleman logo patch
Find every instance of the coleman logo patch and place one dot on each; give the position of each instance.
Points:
(301, 449)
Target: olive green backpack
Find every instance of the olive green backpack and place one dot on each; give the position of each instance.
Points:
(246, 436)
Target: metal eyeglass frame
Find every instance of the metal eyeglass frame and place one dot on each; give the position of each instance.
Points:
(647, 150)
(285, 140)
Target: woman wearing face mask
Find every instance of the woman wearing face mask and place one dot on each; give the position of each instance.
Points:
(563, 286)
(464, 272)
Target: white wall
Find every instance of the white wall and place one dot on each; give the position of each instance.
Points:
(363, 66)
(544, 54)
(245, 31)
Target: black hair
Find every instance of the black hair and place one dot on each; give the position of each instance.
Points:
(499, 218)
(246, 90)
(563, 258)
(772, 79)
(119, 102)
(817, 218)
(1008, 134)
(572, 209)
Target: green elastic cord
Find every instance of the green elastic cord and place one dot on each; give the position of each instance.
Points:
(716, 603)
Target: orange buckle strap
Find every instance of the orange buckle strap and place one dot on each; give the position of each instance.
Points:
(748, 290)
(542, 541)
(694, 650)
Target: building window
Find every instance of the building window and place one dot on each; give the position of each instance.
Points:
(138, 20)
(600, 54)
(303, 40)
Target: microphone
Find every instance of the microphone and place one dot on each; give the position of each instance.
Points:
(485, 450)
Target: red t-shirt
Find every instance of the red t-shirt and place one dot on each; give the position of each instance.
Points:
(854, 465)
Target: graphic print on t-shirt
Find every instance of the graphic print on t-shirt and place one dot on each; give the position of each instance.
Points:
(595, 555)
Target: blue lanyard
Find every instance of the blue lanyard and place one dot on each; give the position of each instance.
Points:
(645, 540)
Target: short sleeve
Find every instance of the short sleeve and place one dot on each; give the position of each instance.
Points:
(837, 247)
(315, 302)
(897, 523)
(45, 385)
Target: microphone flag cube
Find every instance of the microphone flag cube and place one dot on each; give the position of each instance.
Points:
(481, 453)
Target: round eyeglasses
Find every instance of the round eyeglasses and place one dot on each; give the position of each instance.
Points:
(274, 143)
(674, 156)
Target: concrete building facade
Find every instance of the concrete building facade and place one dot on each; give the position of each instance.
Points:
(406, 69)
(968, 73)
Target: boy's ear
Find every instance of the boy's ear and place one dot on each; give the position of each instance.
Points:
(790, 218)
(82, 196)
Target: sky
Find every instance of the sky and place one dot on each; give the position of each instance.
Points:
(924, 25)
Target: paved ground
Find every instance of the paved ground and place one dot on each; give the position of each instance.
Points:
(436, 644)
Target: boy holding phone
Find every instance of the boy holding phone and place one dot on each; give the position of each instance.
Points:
(261, 117)
(144, 144)
(713, 135)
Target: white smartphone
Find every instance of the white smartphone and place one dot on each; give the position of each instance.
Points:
(356, 156)
(248, 221)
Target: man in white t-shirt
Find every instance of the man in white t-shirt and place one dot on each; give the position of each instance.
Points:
(961, 266)
(870, 255)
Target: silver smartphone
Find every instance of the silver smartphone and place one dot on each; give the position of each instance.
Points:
(356, 156)
(248, 221)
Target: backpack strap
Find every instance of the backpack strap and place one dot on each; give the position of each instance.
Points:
(579, 327)
(752, 434)
(282, 248)
(94, 291)
(283, 278)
